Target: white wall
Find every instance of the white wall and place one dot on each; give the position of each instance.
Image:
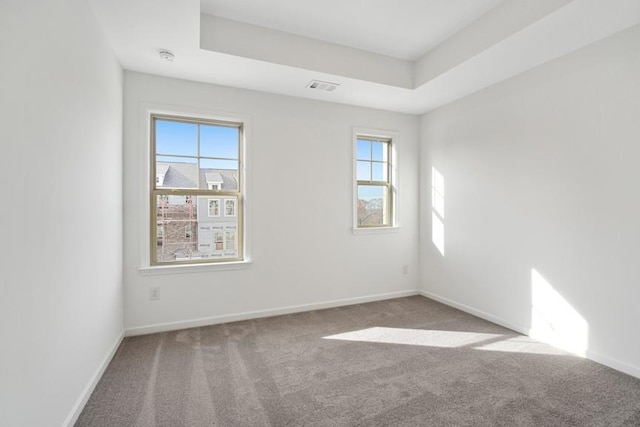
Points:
(60, 168)
(541, 172)
(302, 247)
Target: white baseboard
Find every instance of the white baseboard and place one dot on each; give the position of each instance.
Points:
(479, 313)
(86, 393)
(627, 368)
(206, 321)
(591, 355)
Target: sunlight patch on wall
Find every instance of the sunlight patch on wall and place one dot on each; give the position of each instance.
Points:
(437, 232)
(418, 337)
(437, 207)
(437, 192)
(554, 320)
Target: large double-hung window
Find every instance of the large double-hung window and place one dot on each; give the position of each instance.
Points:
(196, 191)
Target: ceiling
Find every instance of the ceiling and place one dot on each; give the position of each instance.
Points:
(404, 29)
(410, 59)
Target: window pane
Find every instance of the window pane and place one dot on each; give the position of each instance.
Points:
(379, 151)
(364, 171)
(379, 171)
(219, 174)
(176, 217)
(176, 138)
(176, 172)
(195, 227)
(217, 227)
(231, 165)
(364, 149)
(219, 141)
(372, 205)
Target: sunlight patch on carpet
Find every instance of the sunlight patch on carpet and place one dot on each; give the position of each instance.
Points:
(421, 337)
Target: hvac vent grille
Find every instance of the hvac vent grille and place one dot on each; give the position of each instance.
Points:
(324, 86)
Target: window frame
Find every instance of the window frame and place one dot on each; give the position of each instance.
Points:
(206, 194)
(390, 185)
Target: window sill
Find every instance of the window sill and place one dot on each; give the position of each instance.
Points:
(375, 230)
(156, 270)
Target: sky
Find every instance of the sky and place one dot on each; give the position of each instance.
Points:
(371, 166)
(175, 138)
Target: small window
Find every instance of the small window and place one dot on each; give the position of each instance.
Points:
(196, 195)
(374, 190)
(214, 207)
(229, 207)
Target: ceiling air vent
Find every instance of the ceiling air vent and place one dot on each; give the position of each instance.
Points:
(320, 85)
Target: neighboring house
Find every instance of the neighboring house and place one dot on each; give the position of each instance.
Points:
(196, 226)
(370, 212)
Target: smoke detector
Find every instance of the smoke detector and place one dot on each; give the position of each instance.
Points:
(324, 86)
(166, 54)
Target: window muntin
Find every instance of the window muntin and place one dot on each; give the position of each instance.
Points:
(196, 199)
(374, 189)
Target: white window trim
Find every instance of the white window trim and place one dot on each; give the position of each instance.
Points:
(157, 270)
(144, 188)
(394, 177)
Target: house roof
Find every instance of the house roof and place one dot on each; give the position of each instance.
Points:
(187, 175)
(161, 168)
(213, 177)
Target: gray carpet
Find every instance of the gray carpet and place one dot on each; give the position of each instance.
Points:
(401, 362)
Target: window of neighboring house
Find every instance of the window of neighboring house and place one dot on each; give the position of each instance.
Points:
(230, 207)
(230, 239)
(374, 185)
(214, 207)
(196, 167)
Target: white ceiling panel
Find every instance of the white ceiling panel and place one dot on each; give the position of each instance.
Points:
(404, 29)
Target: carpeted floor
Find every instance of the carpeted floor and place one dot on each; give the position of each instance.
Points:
(402, 362)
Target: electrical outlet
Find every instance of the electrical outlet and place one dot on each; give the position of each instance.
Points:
(405, 269)
(154, 293)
